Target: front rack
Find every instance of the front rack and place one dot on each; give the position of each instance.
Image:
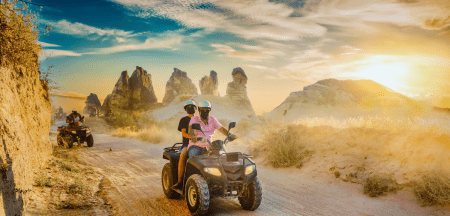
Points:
(175, 148)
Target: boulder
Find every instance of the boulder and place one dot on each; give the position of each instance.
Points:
(178, 84)
(209, 84)
(92, 104)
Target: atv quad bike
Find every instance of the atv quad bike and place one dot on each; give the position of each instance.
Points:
(214, 174)
(68, 134)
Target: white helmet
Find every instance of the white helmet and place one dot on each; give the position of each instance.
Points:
(189, 102)
(204, 104)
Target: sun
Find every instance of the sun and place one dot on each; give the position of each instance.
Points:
(390, 75)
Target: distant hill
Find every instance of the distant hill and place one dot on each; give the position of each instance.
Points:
(345, 98)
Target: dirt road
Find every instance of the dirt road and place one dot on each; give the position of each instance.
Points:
(134, 169)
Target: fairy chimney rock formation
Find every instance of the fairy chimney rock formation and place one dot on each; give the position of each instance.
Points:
(237, 89)
(209, 84)
(178, 84)
(131, 93)
(141, 88)
(92, 104)
(106, 107)
(119, 95)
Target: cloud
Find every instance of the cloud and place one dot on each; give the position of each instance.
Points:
(43, 44)
(48, 53)
(151, 43)
(437, 23)
(71, 95)
(67, 27)
(248, 56)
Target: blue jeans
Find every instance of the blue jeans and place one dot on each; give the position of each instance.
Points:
(195, 150)
(182, 147)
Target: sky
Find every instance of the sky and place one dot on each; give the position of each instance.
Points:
(282, 45)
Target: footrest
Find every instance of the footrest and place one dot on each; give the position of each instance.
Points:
(178, 191)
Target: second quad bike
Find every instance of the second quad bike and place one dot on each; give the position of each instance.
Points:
(71, 133)
(213, 174)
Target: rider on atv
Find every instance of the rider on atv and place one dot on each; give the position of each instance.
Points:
(74, 118)
(208, 124)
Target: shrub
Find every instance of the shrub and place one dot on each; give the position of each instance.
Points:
(377, 185)
(282, 146)
(18, 37)
(68, 167)
(43, 181)
(433, 189)
(77, 187)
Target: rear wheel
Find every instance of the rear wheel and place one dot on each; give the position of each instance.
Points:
(197, 195)
(90, 141)
(252, 195)
(167, 182)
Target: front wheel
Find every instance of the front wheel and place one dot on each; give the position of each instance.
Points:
(167, 182)
(68, 140)
(90, 141)
(59, 140)
(197, 195)
(252, 195)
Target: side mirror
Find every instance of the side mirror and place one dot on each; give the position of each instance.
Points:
(196, 126)
(232, 125)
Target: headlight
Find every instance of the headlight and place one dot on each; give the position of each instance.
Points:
(213, 171)
(249, 169)
(74, 132)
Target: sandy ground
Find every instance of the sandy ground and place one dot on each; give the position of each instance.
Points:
(134, 170)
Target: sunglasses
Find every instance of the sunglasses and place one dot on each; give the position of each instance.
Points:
(204, 109)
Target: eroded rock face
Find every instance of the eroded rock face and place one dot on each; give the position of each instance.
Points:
(92, 104)
(25, 115)
(209, 84)
(237, 89)
(131, 93)
(178, 84)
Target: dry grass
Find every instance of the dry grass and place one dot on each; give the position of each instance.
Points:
(377, 185)
(433, 189)
(433, 122)
(43, 181)
(366, 145)
(282, 146)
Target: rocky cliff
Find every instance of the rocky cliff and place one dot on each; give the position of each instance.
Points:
(178, 84)
(92, 103)
(209, 84)
(131, 93)
(24, 128)
(341, 97)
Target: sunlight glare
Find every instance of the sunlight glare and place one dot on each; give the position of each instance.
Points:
(389, 75)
